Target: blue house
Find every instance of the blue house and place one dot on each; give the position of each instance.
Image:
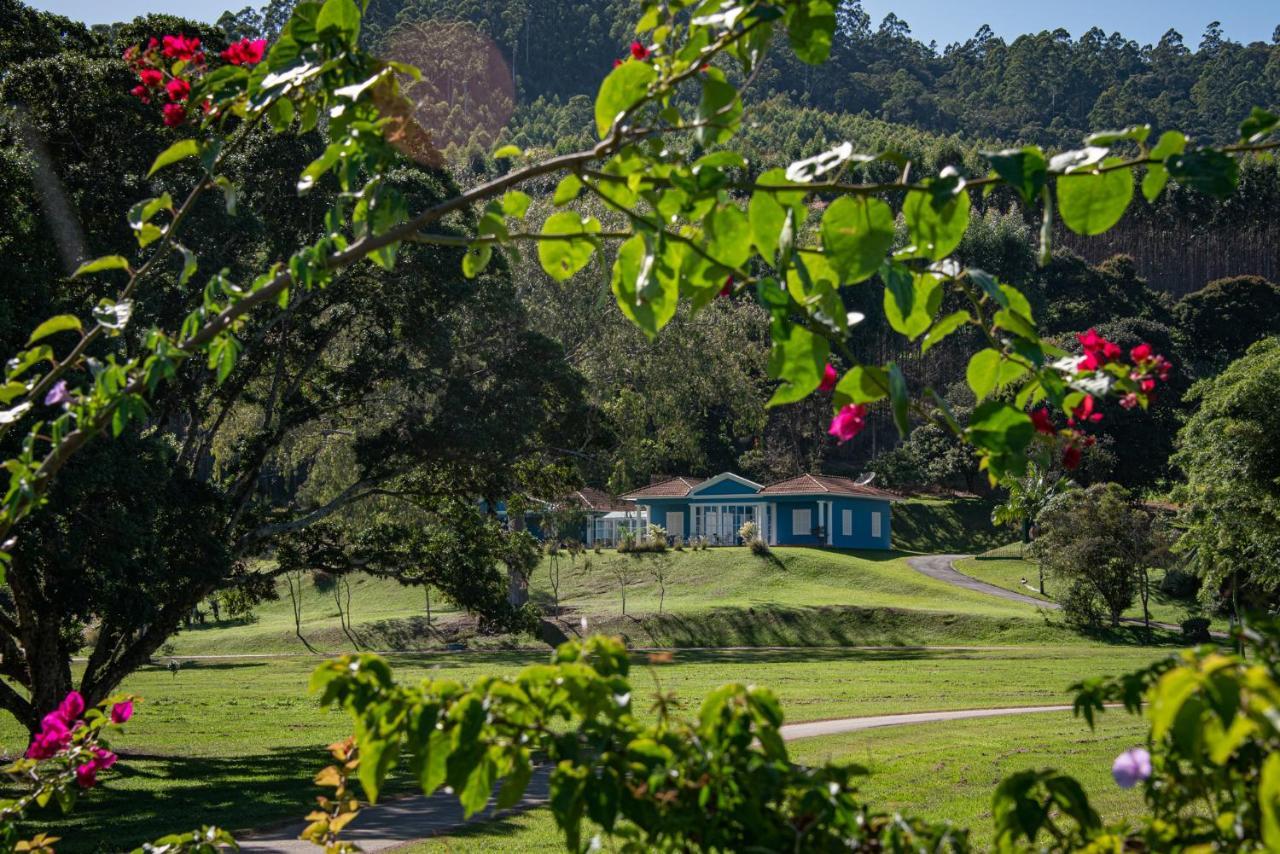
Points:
(809, 510)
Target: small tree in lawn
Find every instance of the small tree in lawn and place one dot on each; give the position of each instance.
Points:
(624, 572)
(1103, 542)
(659, 569)
(553, 576)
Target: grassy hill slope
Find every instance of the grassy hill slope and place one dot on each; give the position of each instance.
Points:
(717, 597)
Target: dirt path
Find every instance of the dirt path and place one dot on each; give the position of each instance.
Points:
(397, 822)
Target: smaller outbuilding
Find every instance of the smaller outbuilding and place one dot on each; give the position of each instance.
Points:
(809, 510)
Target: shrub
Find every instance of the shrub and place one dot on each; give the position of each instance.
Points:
(1196, 630)
(1082, 607)
(759, 547)
(749, 532)
(1180, 584)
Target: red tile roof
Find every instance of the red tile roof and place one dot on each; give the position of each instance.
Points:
(676, 487)
(590, 498)
(811, 484)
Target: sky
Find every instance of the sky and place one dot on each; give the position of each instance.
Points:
(941, 20)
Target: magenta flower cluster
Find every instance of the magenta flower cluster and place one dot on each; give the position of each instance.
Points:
(57, 732)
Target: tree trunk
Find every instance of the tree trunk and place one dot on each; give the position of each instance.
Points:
(517, 582)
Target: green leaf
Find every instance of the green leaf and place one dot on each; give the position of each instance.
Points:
(1171, 142)
(60, 323)
(944, 327)
(719, 109)
(1107, 138)
(1091, 202)
(1259, 124)
(180, 150)
(508, 151)
(515, 204)
(648, 300)
(767, 212)
(340, 15)
(936, 228)
(1206, 170)
(142, 213)
(911, 300)
(1003, 433)
(1269, 801)
(564, 257)
(625, 87)
(899, 399)
(797, 359)
(857, 232)
(1023, 169)
(988, 371)
(97, 265)
(476, 259)
(862, 384)
(728, 235)
(811, 24)
(475, 794)
(567, 190)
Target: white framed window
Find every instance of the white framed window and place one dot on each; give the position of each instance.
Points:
(675, 523)
(848, 523)
(875, 523)
(800, 524)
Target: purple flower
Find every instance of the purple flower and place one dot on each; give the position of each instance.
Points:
(121, 712)
(58, 394)
(1131, 767)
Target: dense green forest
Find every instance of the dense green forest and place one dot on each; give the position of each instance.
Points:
(1192, 275)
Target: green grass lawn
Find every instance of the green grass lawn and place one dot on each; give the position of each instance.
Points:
(946, 526)
(236, 742)
(1009, 572)
(716, 597)
(938, 771)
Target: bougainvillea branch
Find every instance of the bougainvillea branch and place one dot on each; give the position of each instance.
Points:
(697, 224)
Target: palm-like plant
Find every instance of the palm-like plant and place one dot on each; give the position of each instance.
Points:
(1028, 495)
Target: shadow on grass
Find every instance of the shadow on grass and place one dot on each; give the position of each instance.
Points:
(162, 665)
(145, 798)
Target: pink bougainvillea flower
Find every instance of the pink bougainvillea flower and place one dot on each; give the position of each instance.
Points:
(178, 89)
(103, 758)
(727, 290)
(1084, 411)
(142, 93)
(1140, 353)
(639, 51)
(1071, 457)
(174, 115)
(848, 422)
(87, 775)
(1098, 351)
(71, 707)
(829, 377)
(1131, 767)
(121, 712)
(1042, 421)
(245, 52)
(181, 47)
(1129, 401)
(152, 78)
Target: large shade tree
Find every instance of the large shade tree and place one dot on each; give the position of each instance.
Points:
(1229, 451)
(410, 385)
